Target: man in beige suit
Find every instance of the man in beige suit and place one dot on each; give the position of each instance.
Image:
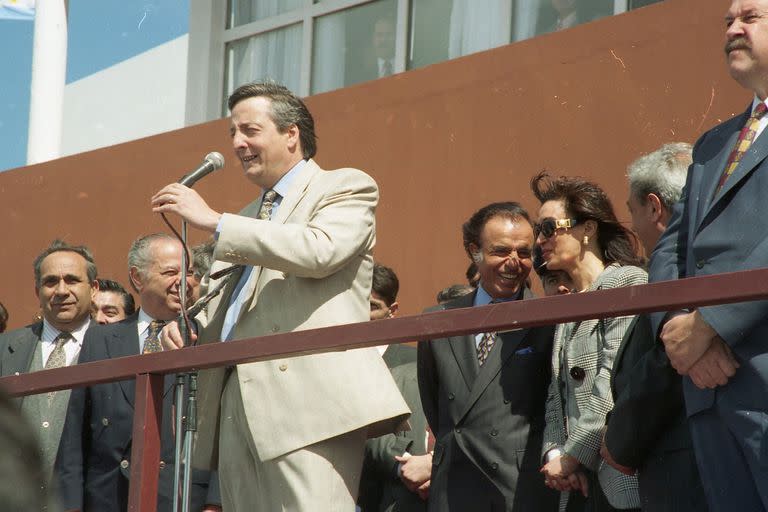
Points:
(290, 431)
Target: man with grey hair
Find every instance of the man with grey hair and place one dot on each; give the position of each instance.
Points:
(93, 463)
(648, 431)
(655, 184)
(65, 280)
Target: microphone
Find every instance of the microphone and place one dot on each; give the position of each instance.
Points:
(212, 162)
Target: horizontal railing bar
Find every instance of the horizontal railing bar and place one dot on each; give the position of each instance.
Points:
(663, 296)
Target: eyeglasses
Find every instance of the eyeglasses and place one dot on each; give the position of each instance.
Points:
(549, 226)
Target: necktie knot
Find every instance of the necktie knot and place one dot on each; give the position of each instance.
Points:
(760, 110)
(152, 343)
(267, 203)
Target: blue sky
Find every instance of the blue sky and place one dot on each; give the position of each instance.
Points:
(101, 34)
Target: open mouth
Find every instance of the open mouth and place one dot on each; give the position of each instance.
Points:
(508, 277)
(248, 158)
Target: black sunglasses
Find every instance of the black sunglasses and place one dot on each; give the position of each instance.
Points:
(549, 226)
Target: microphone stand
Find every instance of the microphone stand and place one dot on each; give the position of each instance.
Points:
(183, 379)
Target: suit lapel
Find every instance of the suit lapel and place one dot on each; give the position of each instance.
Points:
(505, 346)
(749, 161)
(123, 341)
(22, 349)
(463, 347)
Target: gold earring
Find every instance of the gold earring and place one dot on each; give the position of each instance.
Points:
(585, 240)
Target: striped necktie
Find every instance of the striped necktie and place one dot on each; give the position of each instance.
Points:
(746, 137)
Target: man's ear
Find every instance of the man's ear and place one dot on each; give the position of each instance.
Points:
(293, 134)
(655, 206)
(135, 277)
(393, 309)
(477, 257)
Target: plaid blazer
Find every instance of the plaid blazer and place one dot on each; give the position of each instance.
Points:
(590, 347)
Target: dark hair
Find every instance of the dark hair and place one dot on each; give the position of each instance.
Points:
(473, 278)
(108, 285)
(287, 110)
(453, 292)
(3, 317)
(202, 257)
(60, 246)
(583, 201)
(385, 283)
(474, 226)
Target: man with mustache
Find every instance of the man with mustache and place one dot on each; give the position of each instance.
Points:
(718, 227)
(65, 280)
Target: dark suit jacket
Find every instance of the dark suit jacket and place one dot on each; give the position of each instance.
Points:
(381, 490)
(711, 233)
(17, 348)
(93, 464)
(489, 421)
(648, 428)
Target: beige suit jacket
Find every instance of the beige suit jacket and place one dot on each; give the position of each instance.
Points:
(313, 268)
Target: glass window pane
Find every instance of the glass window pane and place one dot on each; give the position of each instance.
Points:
(241, 12)
(543, 16)
(274, 55)
(442, 30)
(353, 45)
(634, 4)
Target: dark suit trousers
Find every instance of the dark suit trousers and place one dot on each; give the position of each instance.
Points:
(733, 478)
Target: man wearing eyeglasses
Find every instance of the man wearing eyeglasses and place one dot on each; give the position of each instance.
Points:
(718, 226)
(484, 394)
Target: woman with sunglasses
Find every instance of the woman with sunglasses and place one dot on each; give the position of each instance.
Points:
(577, 232)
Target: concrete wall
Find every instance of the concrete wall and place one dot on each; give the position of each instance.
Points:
(141, 96)
(441, 142)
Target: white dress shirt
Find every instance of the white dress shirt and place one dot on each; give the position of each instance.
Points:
(71, 349)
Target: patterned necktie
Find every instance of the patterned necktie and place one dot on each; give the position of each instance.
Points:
(152, 343)
(58, 357)
(485, 346)
(746, 136)
(265, 212)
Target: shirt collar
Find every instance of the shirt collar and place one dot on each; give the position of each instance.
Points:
(143, 322)
(482, 297)
(755, 102)
(283, 185)
(50, 332)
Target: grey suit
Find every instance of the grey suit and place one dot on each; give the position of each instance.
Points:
(18, 349)
(710, 233)
(488, 421)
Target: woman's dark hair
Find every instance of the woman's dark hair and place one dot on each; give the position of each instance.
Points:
(583, 201)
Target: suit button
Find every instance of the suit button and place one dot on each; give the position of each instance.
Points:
(105, 421)
(162, 464)
(124, 464)
(46, 424)
(577, 373)
(283, 367)
(451, 396)
(700, 264)
(506, 401)
(457, 430)
(275, 328)
(494, 432)
(494, 466)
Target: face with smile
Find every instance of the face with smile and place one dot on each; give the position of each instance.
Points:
(64, 291)
(746, 46)
(158, 284)
(265, 153)
(504, 258)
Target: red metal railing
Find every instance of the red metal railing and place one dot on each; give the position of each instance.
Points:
(148, 370)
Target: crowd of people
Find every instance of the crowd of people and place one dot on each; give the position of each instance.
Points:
(665, 411)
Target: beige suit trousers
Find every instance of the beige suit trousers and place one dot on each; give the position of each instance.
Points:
(325, 474)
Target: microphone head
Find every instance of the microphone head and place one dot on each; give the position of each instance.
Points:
(216, 159)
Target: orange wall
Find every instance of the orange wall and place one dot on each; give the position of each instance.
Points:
(441, 142)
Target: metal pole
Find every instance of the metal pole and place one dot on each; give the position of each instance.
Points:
(49, 73)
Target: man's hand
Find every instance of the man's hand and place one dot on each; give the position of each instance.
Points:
(686, 337)
(415, 470)
(423, 491)
(185, 202)
(715, 367)
(608, 458)
(170, 336)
